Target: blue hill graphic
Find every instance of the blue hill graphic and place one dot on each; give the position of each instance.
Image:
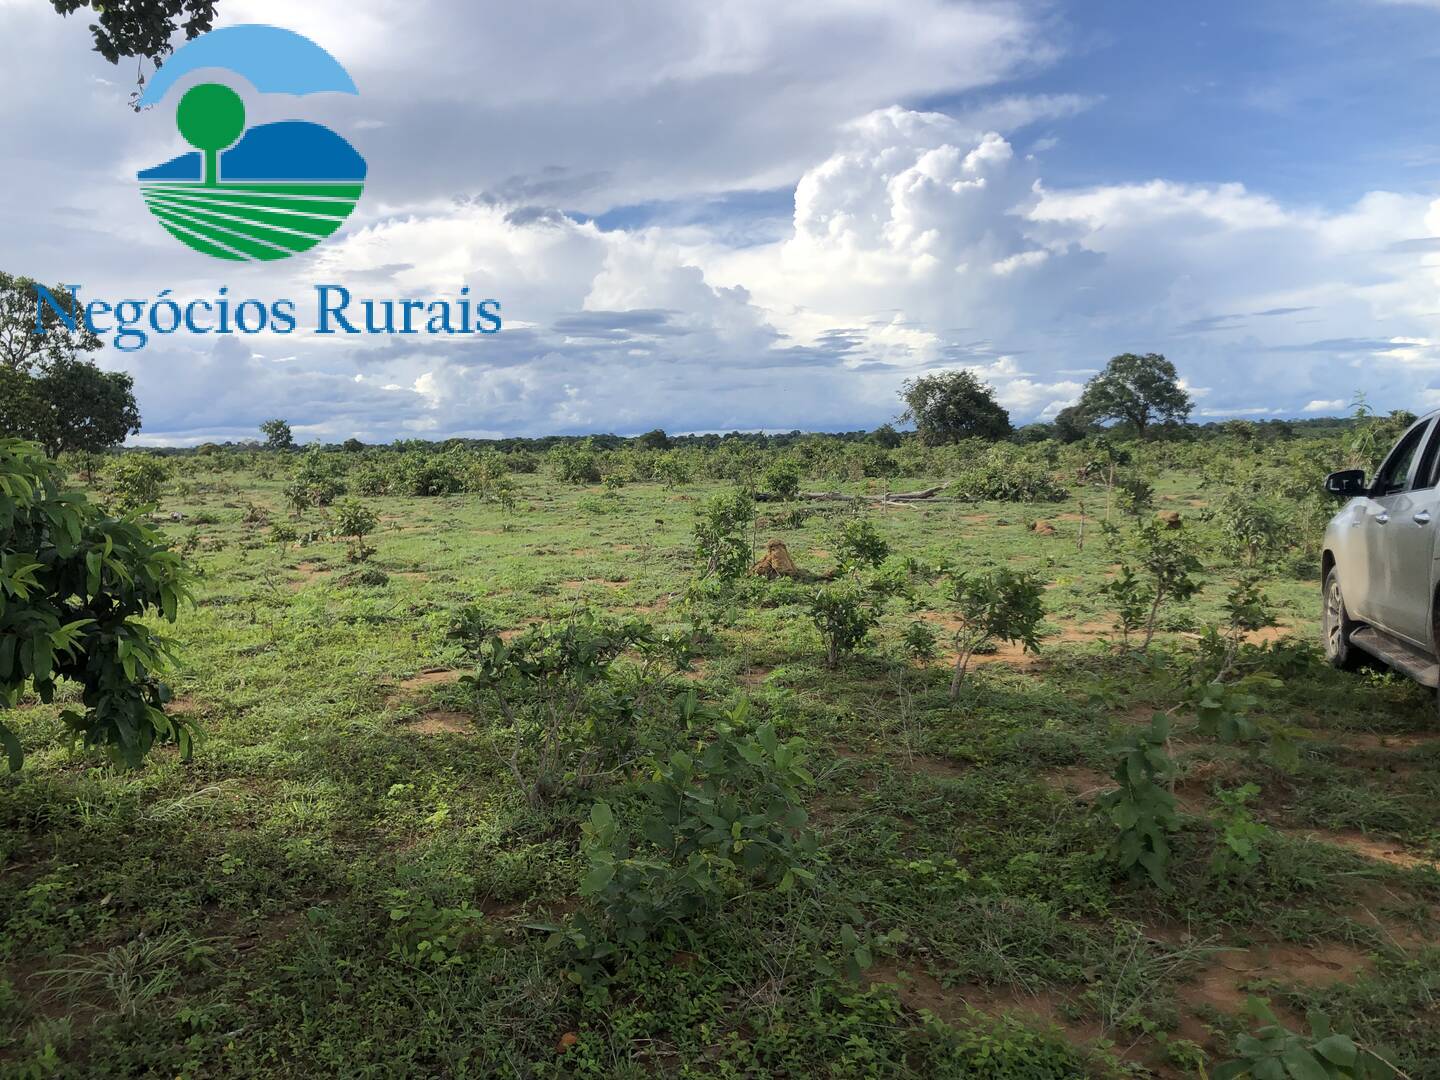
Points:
(289, 150)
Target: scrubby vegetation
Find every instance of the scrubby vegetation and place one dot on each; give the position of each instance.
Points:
(513, 766)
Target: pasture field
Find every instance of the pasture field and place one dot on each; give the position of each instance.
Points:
(348, 880)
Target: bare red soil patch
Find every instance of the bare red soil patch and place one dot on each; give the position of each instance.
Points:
(1078, 781)
(1370, 847)
(442, 722)
(922, 992)
(431, 677)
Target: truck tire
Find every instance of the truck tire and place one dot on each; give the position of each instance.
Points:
(1338, 626)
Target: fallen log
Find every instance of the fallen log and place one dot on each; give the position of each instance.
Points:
(840, 496)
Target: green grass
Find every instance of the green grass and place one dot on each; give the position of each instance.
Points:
(232, 916)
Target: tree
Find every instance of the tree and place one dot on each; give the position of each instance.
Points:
(21, 348)
(654, 440)
(71, 405)
(141, 28)
(1072, 425)
(885, 436)
(953, 405)
(1139, 390)
(74, 587)
(1003, 604)
(48, 393)
(278, 435)
(89, 409)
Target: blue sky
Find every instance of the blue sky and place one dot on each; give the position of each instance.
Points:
(742, 215)
(1315, 101)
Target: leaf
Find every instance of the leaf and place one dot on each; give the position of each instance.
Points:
(1303, 1065)
(1338, 1050)
(595, 880)
(601, 816)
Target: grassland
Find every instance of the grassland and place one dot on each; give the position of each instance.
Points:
(247, 913)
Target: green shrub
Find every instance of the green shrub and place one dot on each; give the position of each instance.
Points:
(1006, 473)
(353, 520)
(321, 476)
(1002, 605)
(860, 545)
(553, 686)
(74, 587)
(781, 479)
(422, 473)
(1142, 809)
(844, 615)
(575, 462)
(132, 481)
(722, 535)
(672, 470)
(712, 824)
(369, 478)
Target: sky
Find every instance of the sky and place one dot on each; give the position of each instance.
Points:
(746, 215)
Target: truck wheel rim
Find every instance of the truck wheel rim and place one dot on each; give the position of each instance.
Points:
(1333, 607)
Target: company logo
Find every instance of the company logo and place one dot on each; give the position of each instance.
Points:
(263, 193)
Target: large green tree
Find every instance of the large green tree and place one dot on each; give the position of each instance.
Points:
(953, 405)
(278, 435)
(48, 393)
(1138, 390)
(86, 408)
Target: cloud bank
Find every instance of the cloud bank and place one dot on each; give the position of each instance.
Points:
(743, 219)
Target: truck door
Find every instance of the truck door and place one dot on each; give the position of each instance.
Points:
(1399, 538)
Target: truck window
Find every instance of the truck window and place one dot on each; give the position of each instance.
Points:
(1394, 475)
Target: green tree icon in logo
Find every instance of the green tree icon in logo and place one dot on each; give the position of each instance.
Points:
(210, 118)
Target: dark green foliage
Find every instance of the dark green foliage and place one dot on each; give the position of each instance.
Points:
(74, 585)
(319, 478)
(49, 393)
(844, 614)
(1005, 473)
(1169, 562)
(722, 535)
(953, 405)
(278, 435)
(69, 405)
(22, 351)
(419, 473)
(1142, 809)
(1130, 599)
(353, 520)
(1242, 838)
(141, 28)
(1003, 605)
(714, 822)
(575, 463)
(1253, 529)
(860, 546)
(133, 481)
(1138, 390)
(782, 479)
(1274, 1052)
(920, 641)
(554, 688)
(471, 626)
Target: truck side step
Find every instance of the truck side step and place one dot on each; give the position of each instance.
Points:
(1400, 655)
